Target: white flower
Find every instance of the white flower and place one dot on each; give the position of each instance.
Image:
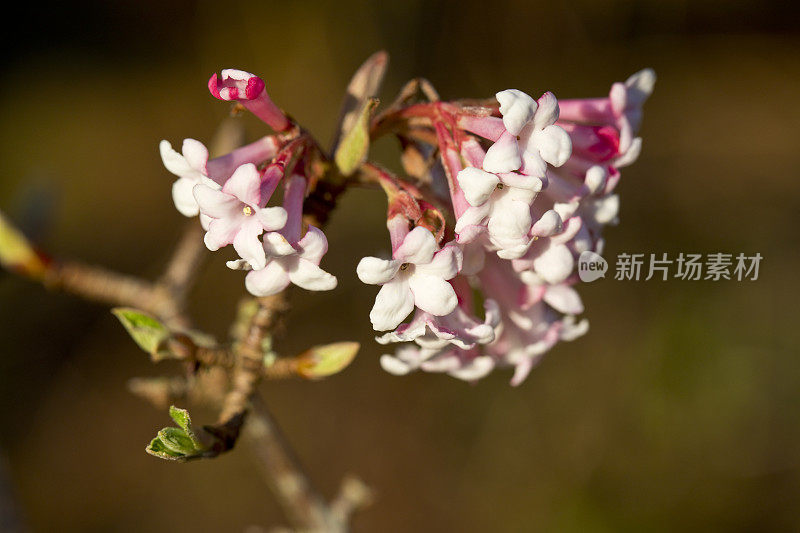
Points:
(238, 214)
(502, 203)
(416, 276)
(190, 167)
(287, 263)
(531, 139)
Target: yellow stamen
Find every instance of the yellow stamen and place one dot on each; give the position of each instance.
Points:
(247, 210)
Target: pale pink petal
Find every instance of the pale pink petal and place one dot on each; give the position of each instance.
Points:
(221, 232)
(377, 271)
(176, 163)
(418, 247)
(196, 154)
(533, 164)
(473, 216)
(269, 280)
(245, 184)
(503, 156)
(309, 276)
(553, 144)
(564, 299)
(276, 245)
(446, 263)
(433, 294)
(555, 264)
(476, 369)
(477, 184)
(247, 244)
(393, 303)
(394, 366)
(313, 245)
(517, 109)
(215, 203)
(547, 113)
(183, 197)
(272, 218)
(548, 224)
(510, 220)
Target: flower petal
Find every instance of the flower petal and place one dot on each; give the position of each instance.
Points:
(547, 113)
(517, 109)
(394, 366)
(245, 184)
(221, 232)
(176, 163)
(248, 246)
(564, 299)
(196, 154)
(276, 245)
(555, 264)
(375, 271)
(554, 144)
(393, 303)
(477, 184)
(418, 247)
(309, 276)
(473, 216)
(313, 245)
(183, 197)
(215, 203)
(271, 279)
(503, 156)
(272, 218)
(433, 294)
(446, 263)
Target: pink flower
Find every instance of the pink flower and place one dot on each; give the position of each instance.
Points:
(296, 263)
(239, 214)
(467, 365)
(416, 276)
(622, 109)
(290, 258)
(459, 328)
(192, 166)
(529, 138)
(249, 90)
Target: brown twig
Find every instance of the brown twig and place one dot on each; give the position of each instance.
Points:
(303, 504)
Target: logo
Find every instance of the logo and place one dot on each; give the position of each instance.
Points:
(591, 266)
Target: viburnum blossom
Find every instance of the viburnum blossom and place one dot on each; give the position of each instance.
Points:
(290, 258)
(416, 275)
(239, 215)
(192, 166)
(499, 200)
(248, 89)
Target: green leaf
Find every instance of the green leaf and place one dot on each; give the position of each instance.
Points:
(352, 151)
(16, 252)
(157, 449)
(145, 330)
(322, 361)
(184, 421)
(177, 444)
(177, 440)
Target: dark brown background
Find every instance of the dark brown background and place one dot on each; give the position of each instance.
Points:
(678, 411)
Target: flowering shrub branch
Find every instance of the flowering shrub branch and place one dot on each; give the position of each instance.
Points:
(498, 199)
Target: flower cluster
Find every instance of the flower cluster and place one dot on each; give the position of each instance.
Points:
(531, 184)
(500, 199)
(231, 194)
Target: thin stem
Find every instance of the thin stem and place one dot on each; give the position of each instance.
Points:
(186, 260)
(303, 505)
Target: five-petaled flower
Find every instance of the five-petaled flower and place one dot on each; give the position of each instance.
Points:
(239, 214)
(416, 276)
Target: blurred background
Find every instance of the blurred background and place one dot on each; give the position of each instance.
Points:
(680, 410)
